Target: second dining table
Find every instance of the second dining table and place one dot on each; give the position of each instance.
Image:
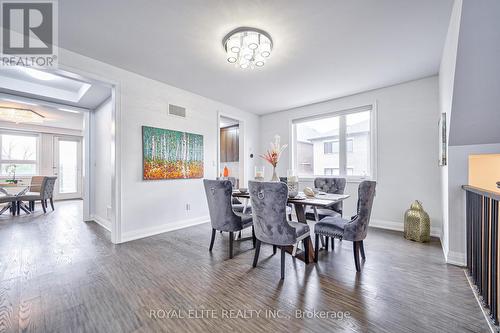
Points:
(300, 202)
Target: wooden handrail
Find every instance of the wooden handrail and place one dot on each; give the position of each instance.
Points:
(482, 191)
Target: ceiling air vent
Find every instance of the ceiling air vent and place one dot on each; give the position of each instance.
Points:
(175, 110)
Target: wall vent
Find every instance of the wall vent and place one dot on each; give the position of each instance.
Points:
(175, 110)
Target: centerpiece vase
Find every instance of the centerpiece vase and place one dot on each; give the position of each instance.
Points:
(275, 177)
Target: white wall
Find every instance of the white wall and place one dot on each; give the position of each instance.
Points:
(150, 207)
(446, 84)
(475, 115)
(470, 81)
(100, 173)
(407, 150)
(458, 176)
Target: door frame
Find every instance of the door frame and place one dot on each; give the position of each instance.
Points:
(55, 139)
(241, 139)
(116, 181)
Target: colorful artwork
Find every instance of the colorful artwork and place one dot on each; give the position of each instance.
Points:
(171, 154)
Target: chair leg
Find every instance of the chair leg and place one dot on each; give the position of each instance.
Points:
(282, 263)
(257, 252)
(231, 238)
(306, 249)
(52, 203)
(18, 207)
(253, 236)
(333, 244)
(212, 240)
(362, 249)
(355, 248)
(316, 247)
(326, 242)
(44, 207)
(274, 249)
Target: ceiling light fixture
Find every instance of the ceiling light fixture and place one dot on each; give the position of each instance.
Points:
(20, 115)
(247, 47)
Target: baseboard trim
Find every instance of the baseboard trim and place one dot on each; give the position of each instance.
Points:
(484, 310)
(399, 226)
(147, 232)
(106, 224)
(455, 258)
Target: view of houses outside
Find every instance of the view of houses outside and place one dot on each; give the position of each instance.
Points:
(318, 146)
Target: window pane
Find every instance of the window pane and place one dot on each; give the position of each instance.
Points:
(358, 144)
(68, 166)
(20, 170)
(317, 146)
(18, 147)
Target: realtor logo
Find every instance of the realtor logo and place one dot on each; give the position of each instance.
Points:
(29, 32)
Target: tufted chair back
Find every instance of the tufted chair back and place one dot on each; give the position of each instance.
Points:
(357, 229)
(333, 186)
(269, 213)
(219, 194)
(47, 187)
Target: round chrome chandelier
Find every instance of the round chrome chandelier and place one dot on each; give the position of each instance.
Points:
(247, 47)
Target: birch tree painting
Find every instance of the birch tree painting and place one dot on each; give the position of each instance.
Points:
(171, 154)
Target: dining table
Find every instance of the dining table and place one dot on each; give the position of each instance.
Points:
(10, 194)
(301, 202)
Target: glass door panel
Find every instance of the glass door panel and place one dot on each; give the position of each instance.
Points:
(67, 167)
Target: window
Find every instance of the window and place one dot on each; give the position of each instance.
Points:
(338, 144)
(332, 171)
(19, 154)
(331, 147)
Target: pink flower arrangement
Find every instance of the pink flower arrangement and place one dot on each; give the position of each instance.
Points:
(273, 155)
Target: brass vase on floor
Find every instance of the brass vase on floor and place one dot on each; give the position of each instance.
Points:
(417, 223)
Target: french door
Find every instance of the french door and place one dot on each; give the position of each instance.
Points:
(67, 167)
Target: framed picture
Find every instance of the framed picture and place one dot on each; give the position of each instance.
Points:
(169, 154)
(443, 144)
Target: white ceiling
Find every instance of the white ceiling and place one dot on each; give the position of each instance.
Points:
(323, 49)
(58, 87)
(53, 117)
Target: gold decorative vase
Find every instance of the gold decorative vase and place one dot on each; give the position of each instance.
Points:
(417, 223)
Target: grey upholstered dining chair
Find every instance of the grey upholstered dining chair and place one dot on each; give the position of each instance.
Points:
(222, 215)
(270, 223)
(332, 186)
(238, 206)
(46, 193)
(354, 230)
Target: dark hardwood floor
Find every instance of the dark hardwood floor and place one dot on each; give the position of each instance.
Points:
(59, 274)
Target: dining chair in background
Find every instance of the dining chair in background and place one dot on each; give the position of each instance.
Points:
(331, 186)
(238, 206)
(46, 194)
(270, 222)
(222, 216)
(355, 229)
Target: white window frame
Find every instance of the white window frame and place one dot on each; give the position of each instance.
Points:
(36, 162)
(342, 139)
